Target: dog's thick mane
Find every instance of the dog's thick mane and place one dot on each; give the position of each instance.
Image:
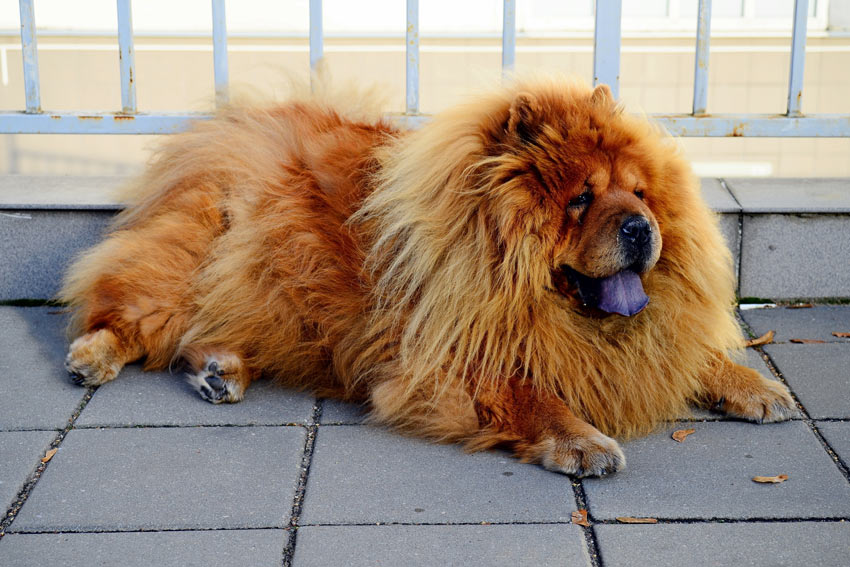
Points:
(471, 307)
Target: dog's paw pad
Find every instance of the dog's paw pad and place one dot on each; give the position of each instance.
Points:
(212, 387)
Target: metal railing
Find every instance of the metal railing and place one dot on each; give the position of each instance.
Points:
(606, 69)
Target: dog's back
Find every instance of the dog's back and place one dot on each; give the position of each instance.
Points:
(236, 242)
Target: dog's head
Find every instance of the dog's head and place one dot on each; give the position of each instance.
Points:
(572, 173)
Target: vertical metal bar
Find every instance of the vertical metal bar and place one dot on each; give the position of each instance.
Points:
(606, 45)
(29, 47)
(508, 37)
(126, 56)
(412, 51)
(701, 59)
(798, 57)
(219, 31)
(316, 37)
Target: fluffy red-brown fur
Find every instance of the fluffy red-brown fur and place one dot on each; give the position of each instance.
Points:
(421, 272)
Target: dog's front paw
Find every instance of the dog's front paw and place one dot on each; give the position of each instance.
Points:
(592, 454)
(213, 387)
(761, 401)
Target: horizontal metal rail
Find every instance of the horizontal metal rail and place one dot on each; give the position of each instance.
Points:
(96, 123)
(606, 69)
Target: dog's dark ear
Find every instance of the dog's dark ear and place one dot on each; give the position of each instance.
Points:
(602, 96)
(524, 117)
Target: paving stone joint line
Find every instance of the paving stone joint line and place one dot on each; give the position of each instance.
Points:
(21, 498)
(591, 545)
(301, 488)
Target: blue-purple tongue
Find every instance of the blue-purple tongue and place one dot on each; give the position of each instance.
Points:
(622, 293)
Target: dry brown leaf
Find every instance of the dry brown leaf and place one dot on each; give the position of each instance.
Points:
(841, 335)
(765, 339)
(800, 306)
(807, 341)
(680, 434)
(48, 455)
(579, 517)
(630, 520)
(771, 479)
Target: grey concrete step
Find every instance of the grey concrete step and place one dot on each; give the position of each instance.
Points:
(790, 237)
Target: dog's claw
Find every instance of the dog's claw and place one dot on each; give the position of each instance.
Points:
(76, 378)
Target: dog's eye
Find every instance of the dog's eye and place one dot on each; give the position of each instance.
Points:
(639, 194)
(582, 200)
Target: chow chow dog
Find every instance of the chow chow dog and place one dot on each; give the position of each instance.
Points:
(535, 270)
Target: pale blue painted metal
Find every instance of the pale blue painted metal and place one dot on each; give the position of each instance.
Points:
(412, 53)
(606, 45)
(126, 56)
(316, 34)
(798, 57)
(29, 47)
(701, 59)
(220, 68)
(763, 125)
(508, 37)
(606, 70)
(96, 123)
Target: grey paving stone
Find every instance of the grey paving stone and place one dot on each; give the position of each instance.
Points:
(224, 548)
(710, 475)
(788, 256)
(730, 229)
(59, 192)
(337, 412)
(36, 392)
(818, 374)
(778, 195)
(818, 322)
(20, 452)
(439, 546)
(837, 434)
(176, 478)
(38, 246)
(718, 197)
(824, 544)
(159, 398)
(364, 474)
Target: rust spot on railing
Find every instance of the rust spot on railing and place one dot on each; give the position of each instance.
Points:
(737, 131)
(91, 117)
(54, 117)
(124, 117)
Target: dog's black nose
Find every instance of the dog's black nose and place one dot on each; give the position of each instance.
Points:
(636, 230)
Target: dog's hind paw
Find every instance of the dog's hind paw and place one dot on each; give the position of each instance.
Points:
(212, 387)
(94, 358)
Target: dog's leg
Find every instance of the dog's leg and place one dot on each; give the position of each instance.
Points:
(541, 429)
(742, 392)
(96, 358)
(218, 375)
